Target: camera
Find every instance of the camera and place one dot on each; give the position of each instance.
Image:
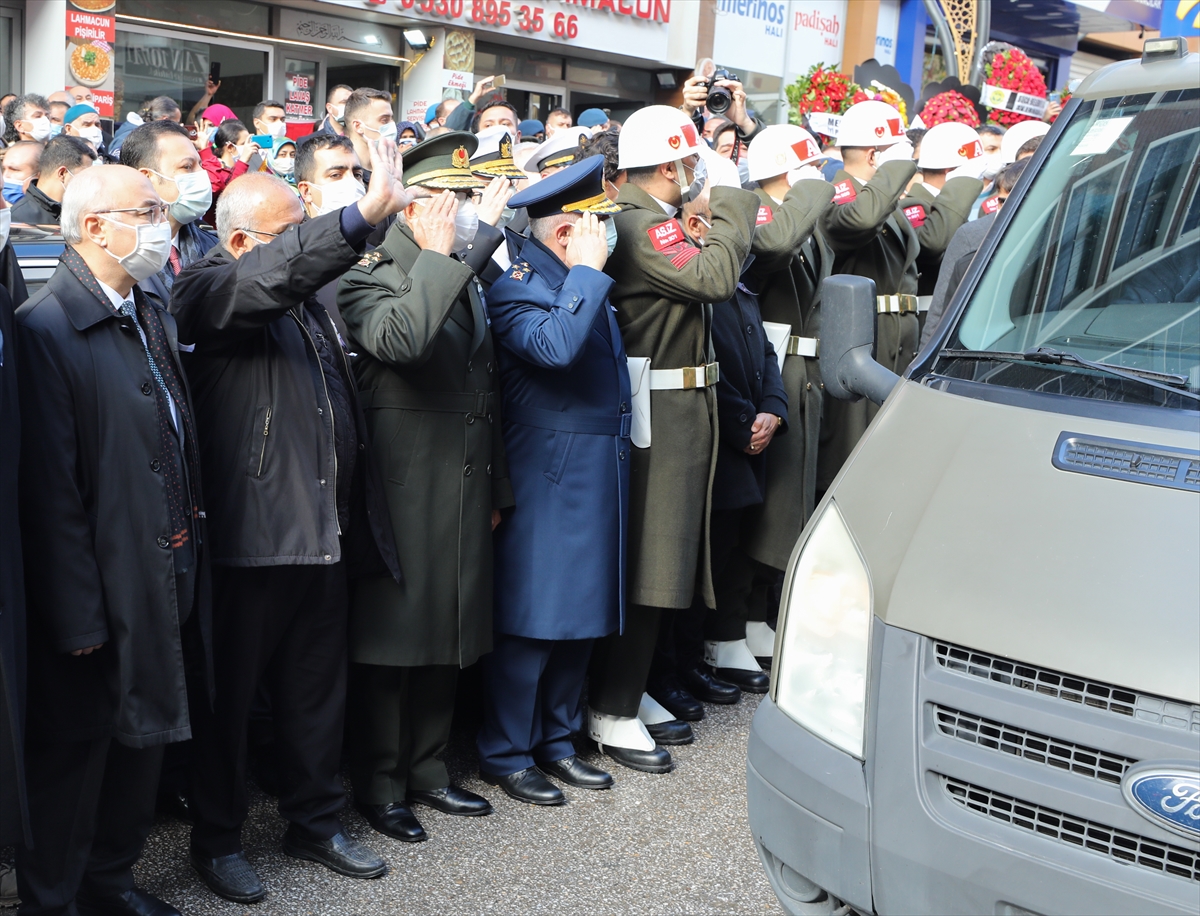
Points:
(719, 98)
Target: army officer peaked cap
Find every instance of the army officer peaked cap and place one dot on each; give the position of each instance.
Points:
(576, 189)
(443, 163)
(494, 157)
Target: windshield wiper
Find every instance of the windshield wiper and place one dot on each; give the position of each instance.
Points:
(1175, 384)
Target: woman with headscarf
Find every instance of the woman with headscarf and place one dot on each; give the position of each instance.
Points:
(281, 159)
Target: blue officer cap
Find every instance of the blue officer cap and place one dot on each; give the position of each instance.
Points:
(592, 117)
(576, 189)
(529, 127)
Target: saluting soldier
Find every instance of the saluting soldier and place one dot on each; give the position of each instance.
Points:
(791, 260)
(871, 237)
(560, 553)
(428, 381)
(663, 287)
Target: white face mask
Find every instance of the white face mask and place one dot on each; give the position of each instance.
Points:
(699, 176)
(610, 235)
(339, 112)
(386, 132)
(151, 249)
(276, 129)
(466, 224)
(195, 195)
(5, 223)
(284, 166)
(338, 194)
(39, 128)
(94, 134)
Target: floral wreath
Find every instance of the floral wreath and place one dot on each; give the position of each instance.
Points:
(1011, 68)
(881, 93)
(820, 90)
(949, 106)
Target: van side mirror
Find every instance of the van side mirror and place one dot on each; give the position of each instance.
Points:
(848, 366)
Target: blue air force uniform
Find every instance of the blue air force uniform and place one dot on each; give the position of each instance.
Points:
(560, 552)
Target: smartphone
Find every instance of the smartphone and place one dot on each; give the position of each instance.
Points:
(214, 71)
(193, 131)
(264, 141)
(498, 81)
(1054, 97)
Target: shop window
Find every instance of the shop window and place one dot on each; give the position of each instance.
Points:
(230, 15)
(608, 76)
(154, 65)
(521, 65)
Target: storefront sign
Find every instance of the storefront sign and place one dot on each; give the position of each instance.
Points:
(818, 28)
(458, 60)
(90, 40)
(751, 35)
(169, 64)
(1010, 100)
(298, 106)
(636, 28)
(1144, 12)
(351, 34)
(887, 28)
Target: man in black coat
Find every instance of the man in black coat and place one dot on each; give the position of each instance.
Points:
(294, 509)
(60, 162)
(112, 522)
(752, 407)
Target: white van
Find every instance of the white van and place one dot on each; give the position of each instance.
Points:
(985, 695)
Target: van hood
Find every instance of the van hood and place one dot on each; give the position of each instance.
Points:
(973, 536)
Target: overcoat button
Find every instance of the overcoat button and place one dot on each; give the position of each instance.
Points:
(164, 542)
(808, 386)
(757, 374)
(470, 419)
(155, 464)
(469, 365)
(328, 558)
(742, 418)
(467, 471)
(146, 389)
(489, 470)
(622, 454)
(624, 407)
(322, 481)
(750, 329)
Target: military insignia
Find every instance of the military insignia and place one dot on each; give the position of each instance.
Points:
(681, 253)
(971, 150)
(689, 133)
(506, 147)
(764, 216)
(844, 193)
(665, 235)
(674, 141)
(459, 158)
(879, 131)
(520, 270)
(915, 215)
(991, 205)
(805, 149)
(371, 257)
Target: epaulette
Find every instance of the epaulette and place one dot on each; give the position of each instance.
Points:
(371, 258)
(521, 270)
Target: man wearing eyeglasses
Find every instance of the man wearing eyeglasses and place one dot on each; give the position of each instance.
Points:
(294, 508)
(115, 549)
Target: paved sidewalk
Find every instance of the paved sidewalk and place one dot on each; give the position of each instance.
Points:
(653, 844)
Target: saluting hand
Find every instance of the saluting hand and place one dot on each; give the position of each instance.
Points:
(588, 244)
(433, 227)
(493, 200)
(386, 193)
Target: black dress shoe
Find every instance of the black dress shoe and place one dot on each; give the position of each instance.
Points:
(341, 853)
(133, 902)
(396, 821)
(655, 761)
(574, 772)
(452, 800)
(706, 686)
(672, 733)
(527, 785)
(175, 804)
(671, 696)
(743, 678)
(231, 877)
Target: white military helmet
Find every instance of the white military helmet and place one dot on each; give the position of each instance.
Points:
(654, 135)
(949, 145)
(1017, 136)
(870, 123)
(780, 148)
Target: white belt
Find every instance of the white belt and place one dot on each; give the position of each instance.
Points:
(803, 346)
(687, 377)
(923, 303)
(897, 304)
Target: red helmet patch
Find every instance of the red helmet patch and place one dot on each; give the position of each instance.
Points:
(805, 149)
(896, 126)
(880, 131)
(674, 142)
(689, 134)
(971, 150)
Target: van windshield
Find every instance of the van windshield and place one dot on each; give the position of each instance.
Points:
(1094, 290)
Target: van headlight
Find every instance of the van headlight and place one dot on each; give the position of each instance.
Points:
(821, 669)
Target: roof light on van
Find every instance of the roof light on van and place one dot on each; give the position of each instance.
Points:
(1156, 49)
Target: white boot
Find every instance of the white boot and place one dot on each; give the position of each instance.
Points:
(617, 731)
(650, 712)
(761, 639)
(732, 654)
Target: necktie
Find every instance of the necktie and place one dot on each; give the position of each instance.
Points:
(176, 264)
(128, 310)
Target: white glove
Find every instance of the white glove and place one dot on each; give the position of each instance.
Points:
(809, 172)
(984, 168)
(897, 151)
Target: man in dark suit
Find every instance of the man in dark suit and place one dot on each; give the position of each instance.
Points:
(560, 554)
(112, 520)
(291, 495)
(162, 152)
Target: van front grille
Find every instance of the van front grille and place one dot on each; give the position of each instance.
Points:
(1143, 707)
(1052, 752)
(1132, 461)
(1099, 839)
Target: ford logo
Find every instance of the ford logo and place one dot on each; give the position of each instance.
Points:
(1166, 794)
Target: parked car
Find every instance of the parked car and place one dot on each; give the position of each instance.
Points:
(38, 249)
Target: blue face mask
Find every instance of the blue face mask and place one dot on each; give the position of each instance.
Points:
(610, 235)
(13, 191)
(55, 130)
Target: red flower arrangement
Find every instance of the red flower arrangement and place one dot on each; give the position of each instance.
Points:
(822, 90)
(1012, 69)
(949, 106)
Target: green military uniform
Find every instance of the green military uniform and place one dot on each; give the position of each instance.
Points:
(941, 216)
(871, 237)
(663, 288)
(428, 381)
(789, 263)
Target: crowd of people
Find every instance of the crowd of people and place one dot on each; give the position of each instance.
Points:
(301, 428)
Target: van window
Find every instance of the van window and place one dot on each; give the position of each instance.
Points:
(1101, 262)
